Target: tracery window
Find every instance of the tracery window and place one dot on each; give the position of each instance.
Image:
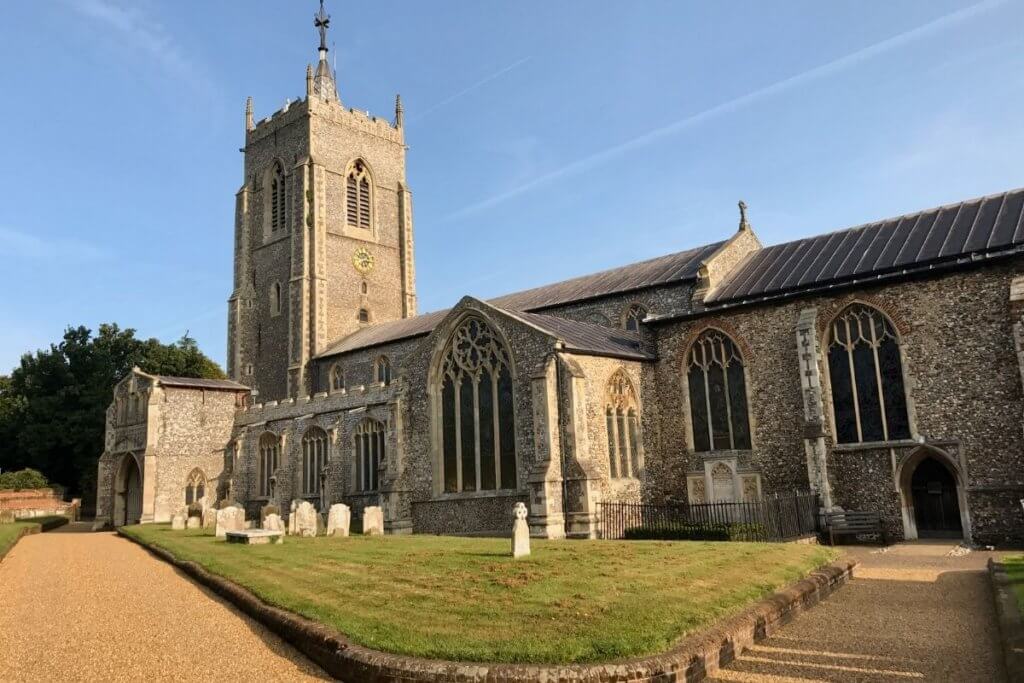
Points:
(476, 411)
(369, 454)
(277, 198)
(718, 394)
(270, 454)
(314, 458)
(866, 372)
(195, 487)
(337, 378)
(625, 448)
(358, 196)
(634, 315)
(382, 370)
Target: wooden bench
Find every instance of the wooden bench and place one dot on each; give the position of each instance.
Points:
(852, 522)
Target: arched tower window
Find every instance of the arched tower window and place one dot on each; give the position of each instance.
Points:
(476, 411)
(622, 419)
(358, 196)
(270, 454)
(382, 370)
(275, 298)
(634, 315)
(337, 377)
(866, 372)
(368, 452)
(314, 458)
(195, 487)
(277, 198)
(718, 394)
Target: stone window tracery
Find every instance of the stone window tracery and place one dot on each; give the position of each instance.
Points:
(314, 458)
(866, 372)
(634, 316)
(337, 378)
(718, 394)
(277, 198)
(358, 196)
(476, 411)
(195, 487)
(368, 444)
(382, 370)
(622, 421)
(270, 454)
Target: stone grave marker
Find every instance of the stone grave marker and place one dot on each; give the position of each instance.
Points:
(520, 531)
(272, 522)
(338, 520)
(178, 522)
(229, 519)
(373, 521)
(303, 521)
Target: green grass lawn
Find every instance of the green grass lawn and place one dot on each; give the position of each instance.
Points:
(1015, 571)
(9, 534)
(467, 599)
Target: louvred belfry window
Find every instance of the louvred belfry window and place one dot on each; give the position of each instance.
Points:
(718, 394)
(277, 199)
(476, 416)
(866, 372)
(358, 196)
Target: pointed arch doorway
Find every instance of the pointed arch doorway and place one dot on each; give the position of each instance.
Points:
(128, 492)
(936, 507)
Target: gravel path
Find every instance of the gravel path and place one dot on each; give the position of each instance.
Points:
(910, 614)
(77, 606)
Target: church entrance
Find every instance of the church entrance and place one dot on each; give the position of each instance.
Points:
(936, 508)
(128, 492)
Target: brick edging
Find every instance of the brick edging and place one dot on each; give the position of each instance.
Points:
(1011, 626)
(694, 658)
(25, 531)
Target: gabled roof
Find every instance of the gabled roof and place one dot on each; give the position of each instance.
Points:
(934, 238)
(679, 267)
(199, 383)
(588, 338)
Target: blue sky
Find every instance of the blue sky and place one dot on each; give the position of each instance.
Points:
(547, 139)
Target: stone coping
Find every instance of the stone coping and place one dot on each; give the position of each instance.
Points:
(692, 659)
(1011, 626)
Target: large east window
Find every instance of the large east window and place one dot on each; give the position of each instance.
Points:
(718, 394)
(476, 411)
(866, 373)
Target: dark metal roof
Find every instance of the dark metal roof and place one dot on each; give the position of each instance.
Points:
(199, 383)
(589, 338)
(896, 246)
(679, 267)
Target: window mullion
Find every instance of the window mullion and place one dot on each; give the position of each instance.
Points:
(458, 433)
(878, 383)
(476, 429)
(496, 415)
(850, 345)
(707, 405)
(728, 399)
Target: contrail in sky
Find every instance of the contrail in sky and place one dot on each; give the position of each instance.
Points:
(845, 62)
(482, 82)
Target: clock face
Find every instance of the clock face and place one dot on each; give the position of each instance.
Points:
(362, 259)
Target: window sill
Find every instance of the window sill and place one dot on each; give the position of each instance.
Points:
(722, 454)
(876, 445)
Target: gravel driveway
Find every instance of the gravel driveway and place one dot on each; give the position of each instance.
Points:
(78, 606)
(912, 613)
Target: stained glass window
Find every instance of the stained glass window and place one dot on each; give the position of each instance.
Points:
(718, 394)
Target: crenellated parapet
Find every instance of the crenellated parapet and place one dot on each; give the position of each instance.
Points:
(341, 400)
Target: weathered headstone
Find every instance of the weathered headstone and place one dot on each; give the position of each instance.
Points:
(373, 521)
(194, 523)
(304, 520)
(210, 518)
(520, 531)
(291, 518)
(230, 519)
(269, 509)
(338, 520)
(178, 522)
(273, 522)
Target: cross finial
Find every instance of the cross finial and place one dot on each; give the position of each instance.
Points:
(744, 225)
(322, 21)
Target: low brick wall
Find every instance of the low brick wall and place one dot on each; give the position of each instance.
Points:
(694, 659)
(1011, 625)
(39, 503)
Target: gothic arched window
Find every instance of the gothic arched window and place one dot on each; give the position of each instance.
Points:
(277, 198)
(368, 444)
(866, 372)
(195, 487)
(622, 419)
(476, 411)
(314, 458)
(358, 196)
(633, 317)
(718, 394)
(382, 370)
(270, 454)
(337, 378)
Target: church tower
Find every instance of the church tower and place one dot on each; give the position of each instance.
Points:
(323, 233)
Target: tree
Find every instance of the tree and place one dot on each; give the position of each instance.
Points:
(53, 405)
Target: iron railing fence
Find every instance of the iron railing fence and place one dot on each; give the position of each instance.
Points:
(779, 517)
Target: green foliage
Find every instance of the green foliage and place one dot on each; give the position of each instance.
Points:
(696, 532)
(53, 405)
(23, 479)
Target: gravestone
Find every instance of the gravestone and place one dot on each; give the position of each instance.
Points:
(210, 518)
(338, 520)
(373, 521)
(303, 521)
(255, 536)
(273, 522)
(291, 518)
(520, 531)
(230, 519)
(194, 523)
(178, 522)
(269, 509)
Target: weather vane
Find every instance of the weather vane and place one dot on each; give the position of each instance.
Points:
(322, 20)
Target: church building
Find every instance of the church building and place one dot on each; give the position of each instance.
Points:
(880, 366)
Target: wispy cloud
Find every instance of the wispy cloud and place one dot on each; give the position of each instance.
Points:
(465, 91)
(132, 26)
(25, 247)
(828, 69)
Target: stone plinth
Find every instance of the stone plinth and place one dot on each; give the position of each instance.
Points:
(255, 536)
